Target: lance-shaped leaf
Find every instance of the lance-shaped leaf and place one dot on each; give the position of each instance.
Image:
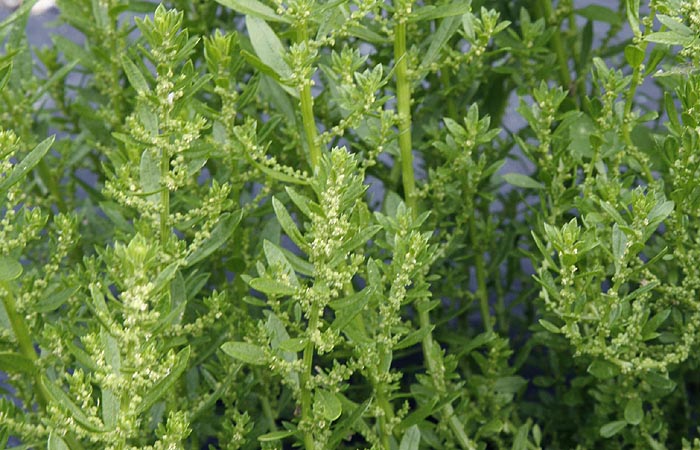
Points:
(166, 383)
(218, 237)
(254, 8)
(27, 164)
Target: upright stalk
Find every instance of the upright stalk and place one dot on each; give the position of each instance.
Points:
(164, 200)
(307, 109)
(564, 75)
(305, 380)
(403, 104)
(431, 353)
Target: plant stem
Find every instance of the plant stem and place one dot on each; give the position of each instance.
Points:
(164, 200)
(305, 380)
(307, 110)
(403, 104)
(481, 293)
(564, 75)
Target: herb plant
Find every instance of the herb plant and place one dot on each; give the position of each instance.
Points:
(318, 224)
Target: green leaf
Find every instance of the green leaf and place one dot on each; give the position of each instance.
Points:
(410, 439)
(271, 287)
(10, 269)
(523, 181)
(549, 326)
(276, 435)
(57, 396)
(56, 443)
(293, 344)
(245, 352)
(345, 425)
(254, 8)
(509, 385)
(619, 246)
(166, 383)
(603, 370)
(276, 258)
(599, 13)
(218, 237)
(634, 413)
(649, 328)
(612, 428)
(11, 362)
(632, 10)
(134, 75)
(288, 225)
(414, 337)
(150, 176)
(55, 300)
(634, 56)
(27, 164)
(327, 404)
(450, 9)
(268, 46)
(5, 72)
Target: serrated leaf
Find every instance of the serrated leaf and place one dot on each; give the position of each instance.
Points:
(634, 412)
(523, 181)
(10, 269)
(245, 352)
(410, 439)
(165, 384)
(218, 237)
(254, 8)
(327, 404)
(610, 429)
(27, 164)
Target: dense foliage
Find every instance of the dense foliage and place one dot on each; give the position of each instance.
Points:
(351, 224)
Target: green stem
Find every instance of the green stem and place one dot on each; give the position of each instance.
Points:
(481, 292)
(565, 77)
(385, 405)
(433, 360)
(307, 110)
(164, 200)
(403, 104)
(305, 380)
(51, 183)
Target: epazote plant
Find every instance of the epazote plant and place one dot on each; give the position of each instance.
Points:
(276, 224)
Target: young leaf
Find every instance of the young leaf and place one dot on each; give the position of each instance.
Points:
(410, 439)
(134, 75)
(218, 237)
(166, 383)
(10, 269)
(327, 404)
(634, 413)
(254, 8)
(243, 351)
(523, 181)
(27, 164)
(267, 46)
(11, 362)
(610, 429)
(56, 443)
(61, 400)
(288, 224)
(276, 435)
